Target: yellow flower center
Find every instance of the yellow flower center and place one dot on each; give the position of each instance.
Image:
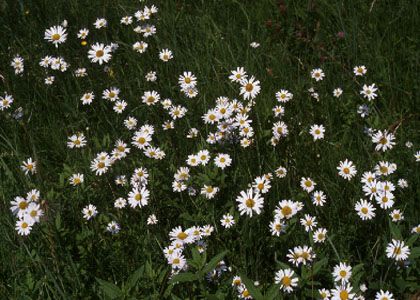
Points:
(249, 87)
(286, 210)
(286, 281)
(346, 171)
(344, 295)
(383, 141)
(100, 53)
(55, 37)
(364, 210)
(24, 225)
(23, 205)
(182, 235)
(101, 165)
(250, 203)
(343, 273)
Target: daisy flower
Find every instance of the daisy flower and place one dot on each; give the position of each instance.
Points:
(308, 222)
(150, 97)
(24, 225)
(397, 250)
(359, 70)
(152, 220)
(261, 185)
(238, 75)
(368, 91)
(286, 209)
(318, 198)
(181, 236)
(151, 76)
(324, 294)
(76, 141)
(120, 203)
(384, 295)
(100, 166)
(254, 45)
(227, 221)
(165, 55)
(346, 169)
(99, 53)
(34, 211)
(140, 47)
(83, 33)
(417, 156)
(317, 131)
(385, 199)
(100, 23)
(87, 98)
(89, 212)
(383, 140)
(396, 215)
(250, 88)
(342, 292)
(277, 227)
(416, 229)
(18, 64)
(187, 79)
(29, 166)
(307, 184)
(317, 74)
(5, 101)
(80, 72)
(320, 235)
(209, 191)
(49, 80)
(126, 20)
(130, 123)
(402, 183)
(222, 160)
(249, 202)
(342, 272)
(76, 179)
(281, 172)
(119, 106)
(138, 197)
(337, 92)
(113, 227)
(56, 35)
(284, 96)
(365, 209)
(286, 280)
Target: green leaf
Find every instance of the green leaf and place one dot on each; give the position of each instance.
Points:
(183, 277)
(319, 265)
(253, 290)
(110, 290)
(415, 253)
(412, 240)
(272, 293)
(395, 230)
(214, 261)
(132, 280)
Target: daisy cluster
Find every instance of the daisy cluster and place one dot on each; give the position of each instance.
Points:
(227, 122)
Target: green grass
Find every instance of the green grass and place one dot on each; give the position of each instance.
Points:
(64, 256)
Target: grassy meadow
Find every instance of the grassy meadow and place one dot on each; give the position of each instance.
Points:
(71, 254)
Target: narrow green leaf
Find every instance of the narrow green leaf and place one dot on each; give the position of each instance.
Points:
(110, 290)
